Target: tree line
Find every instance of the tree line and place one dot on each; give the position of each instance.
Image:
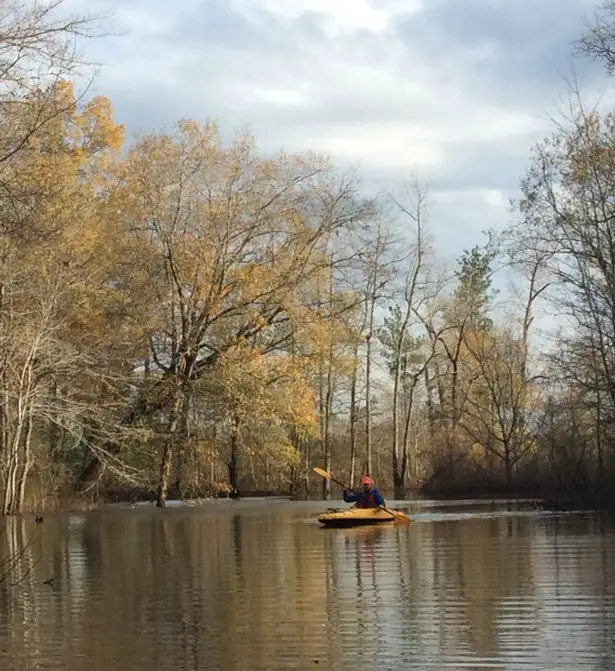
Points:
(183, 316)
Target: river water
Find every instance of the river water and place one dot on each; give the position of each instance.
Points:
(259, 585)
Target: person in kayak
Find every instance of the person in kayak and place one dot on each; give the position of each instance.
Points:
(368, 497)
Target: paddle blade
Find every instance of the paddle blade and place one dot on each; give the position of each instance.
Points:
(322, 472)
(398, 515)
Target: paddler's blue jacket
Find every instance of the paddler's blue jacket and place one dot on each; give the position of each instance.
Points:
(369, 499)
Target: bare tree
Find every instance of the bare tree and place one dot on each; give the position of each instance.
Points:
(376, 282)
(502, 414)
(407, 362)
(38, 48)
(567, 213)
(599, 40)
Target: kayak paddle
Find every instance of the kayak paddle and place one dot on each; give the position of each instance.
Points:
(325, 474)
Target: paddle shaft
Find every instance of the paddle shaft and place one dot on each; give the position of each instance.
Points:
(341, 484)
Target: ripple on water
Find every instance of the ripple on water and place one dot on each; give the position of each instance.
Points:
(267, 588)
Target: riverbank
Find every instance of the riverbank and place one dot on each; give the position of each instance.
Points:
(541, 498)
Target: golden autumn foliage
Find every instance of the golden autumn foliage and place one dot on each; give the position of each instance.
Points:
(184, 314)
(272, 389)
(55, 268)
(231, 245)
(174, 315)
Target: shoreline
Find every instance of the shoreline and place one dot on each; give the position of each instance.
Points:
(545, 499)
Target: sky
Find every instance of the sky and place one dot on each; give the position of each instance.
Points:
(453, 91)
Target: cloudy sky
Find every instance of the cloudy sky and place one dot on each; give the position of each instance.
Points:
(454, 90)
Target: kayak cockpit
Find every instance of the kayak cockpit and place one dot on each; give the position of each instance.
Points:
(355, 516)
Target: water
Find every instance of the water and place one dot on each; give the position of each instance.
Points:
(258, 585)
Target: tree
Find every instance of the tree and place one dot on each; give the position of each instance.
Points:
(260, 398)
(403, 347)
(567, 209)
(474, 283)
(37, 53)
(51, 211)
(501, 413)
(599, 41)
(355, 399)
(230, 241)
(467, 313)
(378, 275)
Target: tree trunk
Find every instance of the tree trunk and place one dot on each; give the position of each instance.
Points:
(233, 469)
(11, 494)
(599, 448)
(400, 483)
(167, 452)
(398, 473)
(399, 469)
(212, 460)
(10, 487)
(306, 471)
(55, 432)
(232, 465)
(354, 416)
(508, 466)
(454, 402)
(396, 414)
(368, 404)
(322, 409)
(180, 463)
(431, 417)
(26, 463)
(294, 469)
(328, 411)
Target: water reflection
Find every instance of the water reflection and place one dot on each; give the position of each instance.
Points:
(245, 587)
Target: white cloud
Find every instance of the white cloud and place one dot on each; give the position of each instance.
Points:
(395, 146)
(292, 96)
(355, 78)
(342, 15)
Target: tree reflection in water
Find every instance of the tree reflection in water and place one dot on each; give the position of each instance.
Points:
(241, 587)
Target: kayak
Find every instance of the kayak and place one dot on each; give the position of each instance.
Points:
(354, 517)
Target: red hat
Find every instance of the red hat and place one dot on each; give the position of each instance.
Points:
(366, 480)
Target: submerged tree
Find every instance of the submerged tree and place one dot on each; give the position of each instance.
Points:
(567, 212)
(405, 350)
(231, 242)
(48, 272)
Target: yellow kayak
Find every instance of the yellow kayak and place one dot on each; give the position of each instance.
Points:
(356, 516)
